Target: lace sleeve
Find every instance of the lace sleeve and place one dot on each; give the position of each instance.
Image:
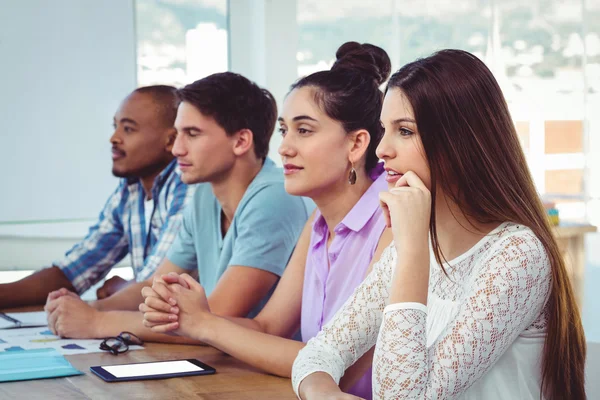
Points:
(352, 331)
(505, 296)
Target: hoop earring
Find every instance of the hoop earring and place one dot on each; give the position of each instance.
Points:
(352, 176)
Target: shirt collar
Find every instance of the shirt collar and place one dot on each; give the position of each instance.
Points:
(268, 163)
(362, 211)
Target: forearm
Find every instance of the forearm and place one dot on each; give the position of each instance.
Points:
(249, 323)
(121, 285)
(111, 323)
(410, 282)
(356, 371)
(129, 298)
(34, 289)
(245, 341)
(403, 332)
(316, 384)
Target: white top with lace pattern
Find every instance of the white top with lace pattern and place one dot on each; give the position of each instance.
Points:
(481, 334)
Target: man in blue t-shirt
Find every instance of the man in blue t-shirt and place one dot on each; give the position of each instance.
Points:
(241, 227)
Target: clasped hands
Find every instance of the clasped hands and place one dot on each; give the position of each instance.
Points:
(176, 304)
(69, 316)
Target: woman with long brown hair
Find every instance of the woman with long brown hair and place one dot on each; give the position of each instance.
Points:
(473, 299)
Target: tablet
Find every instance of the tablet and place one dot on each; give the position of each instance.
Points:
(152, 370)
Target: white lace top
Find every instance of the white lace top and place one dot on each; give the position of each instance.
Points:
(479, 337)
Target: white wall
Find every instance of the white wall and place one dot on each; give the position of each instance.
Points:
(64, 67)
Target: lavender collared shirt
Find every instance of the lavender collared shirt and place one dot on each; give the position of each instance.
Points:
(331, 275)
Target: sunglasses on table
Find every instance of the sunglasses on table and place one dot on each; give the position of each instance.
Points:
(120, 343)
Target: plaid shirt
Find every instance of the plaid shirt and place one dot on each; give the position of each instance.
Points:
(121, 229)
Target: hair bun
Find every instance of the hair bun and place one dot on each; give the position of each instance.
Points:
(365, 59)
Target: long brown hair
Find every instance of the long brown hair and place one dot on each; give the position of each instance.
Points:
(474, 155)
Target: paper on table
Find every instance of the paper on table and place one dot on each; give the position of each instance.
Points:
(30, 319)
(34, 364)
(4, 323)
(42, 338)
(23, 320)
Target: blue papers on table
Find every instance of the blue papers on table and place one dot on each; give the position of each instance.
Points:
(22, 365)
(43, 338)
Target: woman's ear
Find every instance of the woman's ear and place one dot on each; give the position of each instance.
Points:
(359, 141)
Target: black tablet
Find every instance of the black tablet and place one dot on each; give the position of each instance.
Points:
(152, 370)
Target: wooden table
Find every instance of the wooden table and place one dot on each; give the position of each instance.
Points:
(233, 380)
(570, 238)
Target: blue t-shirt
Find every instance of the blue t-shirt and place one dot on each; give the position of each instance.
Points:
(265, 228)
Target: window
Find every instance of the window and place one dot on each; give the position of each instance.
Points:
(592, 105)
(180, 41)
(406, 29)
(541, 73)
(324, 25)
(549, 74)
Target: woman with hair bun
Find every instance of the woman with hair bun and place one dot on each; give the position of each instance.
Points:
(330, 125)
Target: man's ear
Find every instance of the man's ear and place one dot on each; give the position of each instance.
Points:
(171, 136)
(359, 143)
(243, 141)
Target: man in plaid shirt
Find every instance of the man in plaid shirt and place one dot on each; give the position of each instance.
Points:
(141, 217)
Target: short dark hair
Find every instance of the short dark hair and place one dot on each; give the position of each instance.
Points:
(349, 92)
(236, 103)
(166, 100)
